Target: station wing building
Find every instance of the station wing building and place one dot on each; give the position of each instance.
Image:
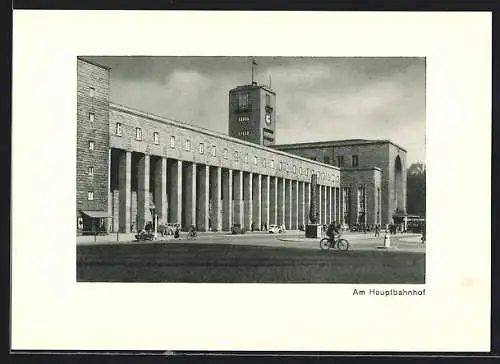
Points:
(132, 166)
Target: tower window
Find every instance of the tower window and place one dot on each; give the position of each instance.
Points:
(202, 148)
(355, 161)
(91, 145)
(243, 100)
(138, 133)
(90, 195)
(118, 129)
(187, 145)
(91, 171)
(91, 117)
(326, 159)
(172, 141)
(156, 137)
(91, 92)
(268, 100)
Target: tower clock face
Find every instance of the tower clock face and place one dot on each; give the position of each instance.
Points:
(268, 119)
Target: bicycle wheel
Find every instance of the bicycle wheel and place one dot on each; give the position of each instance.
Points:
(342, 245)
(324, 244)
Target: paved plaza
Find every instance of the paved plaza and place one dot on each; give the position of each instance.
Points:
(252, 257)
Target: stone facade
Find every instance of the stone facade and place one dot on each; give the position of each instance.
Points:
(146, 166)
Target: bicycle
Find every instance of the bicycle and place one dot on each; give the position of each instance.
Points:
(340, 244)
(191, 235)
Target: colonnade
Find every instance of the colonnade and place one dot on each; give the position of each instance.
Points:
(212, 197)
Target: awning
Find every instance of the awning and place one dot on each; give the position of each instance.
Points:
(96, 214)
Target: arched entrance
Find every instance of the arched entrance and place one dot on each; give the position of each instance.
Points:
(398, 191)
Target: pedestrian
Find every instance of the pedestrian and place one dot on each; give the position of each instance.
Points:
(176, 233)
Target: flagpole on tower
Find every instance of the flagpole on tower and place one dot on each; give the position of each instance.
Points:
(253, 64)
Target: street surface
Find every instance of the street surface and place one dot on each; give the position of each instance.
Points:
(253, 257)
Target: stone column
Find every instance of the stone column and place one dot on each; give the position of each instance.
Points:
(273, 201)
(125, 184)
(247, 199)
(161, 189)
(216, 207)
(288, 204)
(175, 203)
(238, 197)
(257, 201)
(227, 199)
(190, 204)
(295, 205)
(265, 220)
(307, 202)
(143, 213)
(281, 201)
(328, 205)
(320, 200)
(301, 204)
(203, 198)
(109, 220)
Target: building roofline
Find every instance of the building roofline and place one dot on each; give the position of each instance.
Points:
(361, 169)
(209, 132)
(337, 143)
(246, 87)
(82, 58)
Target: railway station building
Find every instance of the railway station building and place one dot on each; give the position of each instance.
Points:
(133, 166)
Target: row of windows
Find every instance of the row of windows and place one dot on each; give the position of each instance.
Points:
(340, 161)
(243, 119)
(187, 147)
(244, 133)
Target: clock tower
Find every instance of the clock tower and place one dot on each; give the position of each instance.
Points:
(252, 114)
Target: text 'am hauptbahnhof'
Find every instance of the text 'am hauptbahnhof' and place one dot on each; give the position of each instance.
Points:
(133, 167)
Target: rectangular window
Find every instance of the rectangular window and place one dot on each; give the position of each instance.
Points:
(300, 170)
(91, 171)
(326, 160)
(294, 169)
(313, 158)
(361, 205)
(255, 160)
(214, 150)
(90, 195)
(172, 142)
(91, 92)
(118, 129)
(268, 100)
(264, 162)
(91, 145)
(225, 153)
(187, 145)
(236, 155)
(91, 116)
(202, 148)
(355, 161)
(138, 133)
(280, 166)
(272, 163)
(243, 100)
(156, 137)
(307, 171)
(340, 161)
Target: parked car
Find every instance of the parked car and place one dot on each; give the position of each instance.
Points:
(274, 229)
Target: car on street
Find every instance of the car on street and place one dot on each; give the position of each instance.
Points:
(274, 229)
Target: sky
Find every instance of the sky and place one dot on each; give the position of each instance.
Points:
(317, 99)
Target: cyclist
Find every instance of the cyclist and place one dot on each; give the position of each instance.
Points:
(331, 231)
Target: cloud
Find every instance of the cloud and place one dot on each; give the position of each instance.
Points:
(317, 98)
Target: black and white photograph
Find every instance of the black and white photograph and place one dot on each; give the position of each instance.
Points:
(251, 181)
(251, 169)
